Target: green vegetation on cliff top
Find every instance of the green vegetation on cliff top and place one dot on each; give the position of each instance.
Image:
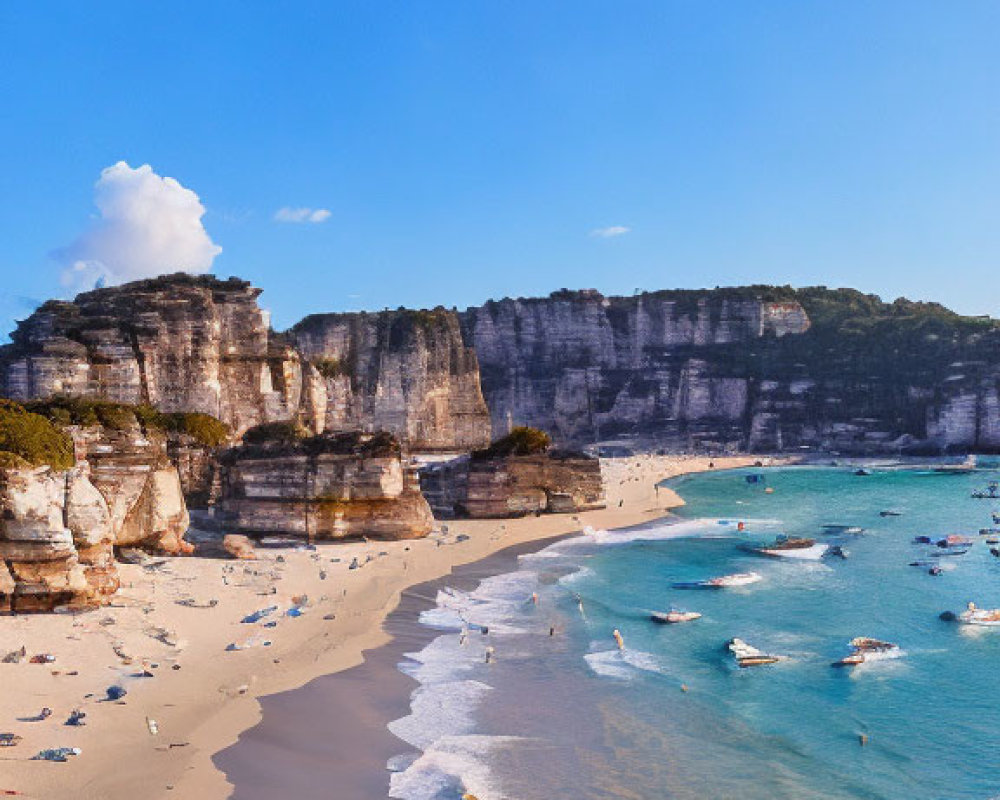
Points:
(521, 441)
(31, 439)
(87, 412)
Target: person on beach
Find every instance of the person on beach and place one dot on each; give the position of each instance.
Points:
(618, 639)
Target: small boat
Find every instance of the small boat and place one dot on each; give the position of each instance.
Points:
(991, 492)
(834, 530)
(922, 540)
(989, 531)
(992, 540)
(783, 547)
(951, 551)
(865, 649)
(988, 617)
(953, 540)
(673, 617)
(862, 472)
(722, 582)
(748, 656)
(890, 513)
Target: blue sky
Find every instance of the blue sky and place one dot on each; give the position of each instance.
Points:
(468, 150)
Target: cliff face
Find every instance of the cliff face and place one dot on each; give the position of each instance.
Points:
(512, 486)
(327, 487)
(179, 343)
(406, 372)
(140, 487)
(583, 366)
(764, 368)
(55, 540)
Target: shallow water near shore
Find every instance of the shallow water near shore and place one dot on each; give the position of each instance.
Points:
(559, 711)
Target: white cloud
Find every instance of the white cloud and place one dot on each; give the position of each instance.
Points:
(289, 214)
(148, 225)
(609, 232)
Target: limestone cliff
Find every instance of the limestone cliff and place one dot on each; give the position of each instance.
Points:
(56, 540)
(406, 372)
(179, 343)
(583, 366)
(331, 486)
(763, 368)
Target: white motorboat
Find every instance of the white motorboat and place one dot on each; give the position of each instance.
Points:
(722, 582)
(747, 655)
(674, 617)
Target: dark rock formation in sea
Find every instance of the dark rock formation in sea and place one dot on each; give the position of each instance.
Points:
(406, 372)
(330, 486)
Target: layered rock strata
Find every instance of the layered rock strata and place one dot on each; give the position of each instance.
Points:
(56, 540)
(406, 372)
(513, 486)
(333, 486)
(179, 343)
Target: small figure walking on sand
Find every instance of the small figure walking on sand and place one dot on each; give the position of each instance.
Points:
(489, 655)
(534, 598)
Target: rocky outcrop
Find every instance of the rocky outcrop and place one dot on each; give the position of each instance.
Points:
(332, 486)
(179, 343)
(513, 486)
(140, 486)
(55, 540)
(406, 372)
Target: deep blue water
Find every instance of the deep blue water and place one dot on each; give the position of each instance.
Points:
(568, 715)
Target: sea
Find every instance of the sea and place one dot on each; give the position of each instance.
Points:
(524, 694)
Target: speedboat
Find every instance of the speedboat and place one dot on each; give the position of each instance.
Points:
(890, 513)
(673, 617)
(980, 616)
(805, 549)
(833, 530)
(722, 582)
(862, 472)
(748, 656)
(864, 650)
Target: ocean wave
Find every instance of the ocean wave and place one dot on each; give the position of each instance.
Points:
(454, 766)
(622, 664)
(438, 710)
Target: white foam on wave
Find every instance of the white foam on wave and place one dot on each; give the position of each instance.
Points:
(438, 710)
(498, 602)
(622, 664)
(454, 766)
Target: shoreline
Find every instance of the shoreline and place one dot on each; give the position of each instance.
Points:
(202, 697)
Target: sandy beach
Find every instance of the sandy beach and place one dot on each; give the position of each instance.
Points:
(164, 639)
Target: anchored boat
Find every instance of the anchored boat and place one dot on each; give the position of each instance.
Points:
(748, 656)
(989, 617)
(722, 582)
(673, 617)
(784, 547)
(865, 649)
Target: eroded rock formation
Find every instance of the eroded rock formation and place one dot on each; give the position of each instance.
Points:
(513, 486)
(331, 486)
(179, 343)
(406, 372)
(56, 540)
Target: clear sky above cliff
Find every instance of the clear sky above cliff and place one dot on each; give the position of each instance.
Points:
(363, 154)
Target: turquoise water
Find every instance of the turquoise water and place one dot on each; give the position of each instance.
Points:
(568, 715)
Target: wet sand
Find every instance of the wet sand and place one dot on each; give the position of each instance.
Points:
(343, 754)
